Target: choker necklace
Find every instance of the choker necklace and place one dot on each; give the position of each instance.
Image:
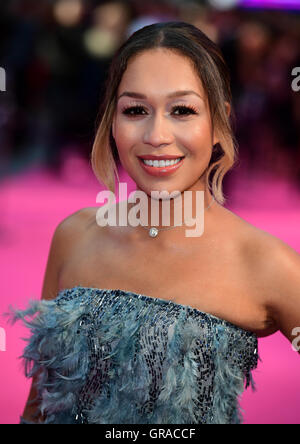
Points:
(153, 231)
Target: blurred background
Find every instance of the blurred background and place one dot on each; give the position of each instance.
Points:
(55, 54)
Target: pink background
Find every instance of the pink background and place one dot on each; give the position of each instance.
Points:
(34, 202)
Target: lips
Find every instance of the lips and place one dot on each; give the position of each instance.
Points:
(160, 157)
(160, 171)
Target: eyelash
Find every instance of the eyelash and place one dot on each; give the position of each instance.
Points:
(126, 110)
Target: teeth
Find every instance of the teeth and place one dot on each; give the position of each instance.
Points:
(161, 163)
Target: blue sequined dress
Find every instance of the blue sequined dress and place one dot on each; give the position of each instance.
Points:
(117, 357)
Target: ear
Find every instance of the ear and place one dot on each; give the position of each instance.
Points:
(228, 111)
(228, 108)
(215, 140)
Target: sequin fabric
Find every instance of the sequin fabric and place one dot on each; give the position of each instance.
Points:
(117, 357)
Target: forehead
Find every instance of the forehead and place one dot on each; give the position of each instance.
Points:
(160, 70)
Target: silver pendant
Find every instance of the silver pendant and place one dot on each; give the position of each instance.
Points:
(153, 232)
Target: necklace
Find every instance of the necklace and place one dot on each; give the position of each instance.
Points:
(153, 231)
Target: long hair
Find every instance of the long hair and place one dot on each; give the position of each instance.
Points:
(213, 72)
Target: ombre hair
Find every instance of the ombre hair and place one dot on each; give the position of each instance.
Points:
(207, 59)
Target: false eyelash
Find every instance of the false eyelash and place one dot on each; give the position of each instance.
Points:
(135, 106)
(132, 105)
(189, 107)
(127, 108)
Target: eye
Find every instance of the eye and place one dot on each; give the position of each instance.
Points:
(134, 111)
(183, 110)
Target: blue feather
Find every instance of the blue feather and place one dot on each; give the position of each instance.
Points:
(115, 357)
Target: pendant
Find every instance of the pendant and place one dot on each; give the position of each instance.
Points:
(153, 232)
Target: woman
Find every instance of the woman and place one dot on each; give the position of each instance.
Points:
(163, 328)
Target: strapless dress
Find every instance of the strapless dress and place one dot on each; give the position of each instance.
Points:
(106, 356)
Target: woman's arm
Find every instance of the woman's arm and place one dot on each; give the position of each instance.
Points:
(283, 271)
(49, 291)
(64, 237)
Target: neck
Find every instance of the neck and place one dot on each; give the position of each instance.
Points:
(171, 209)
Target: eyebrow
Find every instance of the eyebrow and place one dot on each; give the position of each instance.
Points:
(169, 96)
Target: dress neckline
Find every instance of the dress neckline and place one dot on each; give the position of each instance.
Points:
(156, 300)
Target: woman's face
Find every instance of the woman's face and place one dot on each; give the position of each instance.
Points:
(162, 110)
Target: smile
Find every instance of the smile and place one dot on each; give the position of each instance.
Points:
(162, 167)
(161, 163)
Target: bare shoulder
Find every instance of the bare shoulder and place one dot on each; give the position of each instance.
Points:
(273, 265)
(68, 233)
(78, 220)
(257, 243)
(277, 268)
(75, 230)
(268, 252)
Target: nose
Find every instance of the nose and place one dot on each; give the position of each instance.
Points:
(157, 132)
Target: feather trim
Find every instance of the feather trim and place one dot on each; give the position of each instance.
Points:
(54, 354)
(229, 379)
(71, 333)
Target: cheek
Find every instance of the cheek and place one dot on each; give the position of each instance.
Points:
(126, 135)
(196, 138)
(122, 138)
